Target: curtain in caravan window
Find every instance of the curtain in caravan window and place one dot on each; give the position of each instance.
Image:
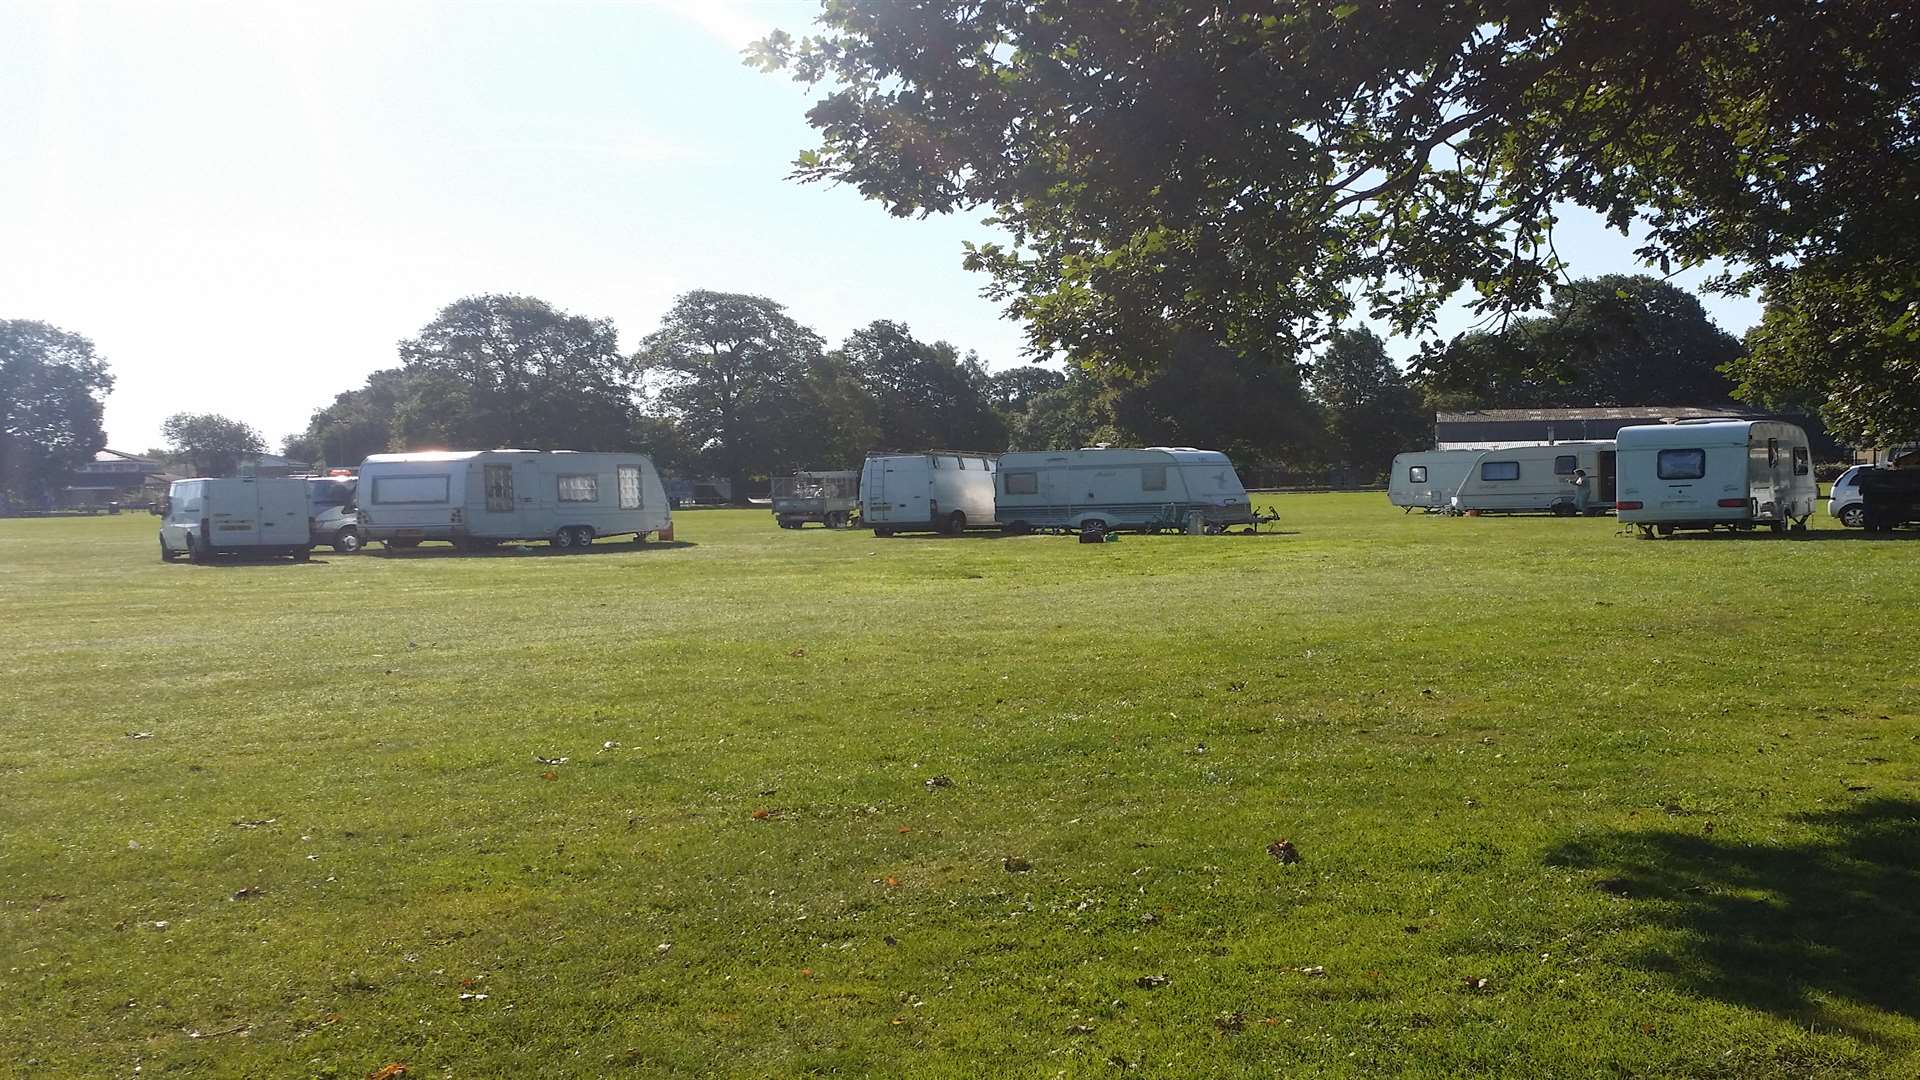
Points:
(629, 487)
(579, 487)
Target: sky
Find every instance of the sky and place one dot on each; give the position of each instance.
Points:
(245, 205)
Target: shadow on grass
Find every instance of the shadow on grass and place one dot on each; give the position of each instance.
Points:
(1778, 926)
(527, 551)
(1808, 537)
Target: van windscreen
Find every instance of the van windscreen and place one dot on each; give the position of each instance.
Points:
(405, 490)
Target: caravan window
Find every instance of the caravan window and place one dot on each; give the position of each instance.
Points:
(1153, 478)
(1022, 483)
(579, 487)
(630, 497)
(1417, 474)
(1565, 464)
(1690, 464)
(409, 490)
(1499, 470)
(1801, 461)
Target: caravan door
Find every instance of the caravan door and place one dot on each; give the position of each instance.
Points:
(1609, 479)
(502, 491)
(1763, 467)
(1058, 482)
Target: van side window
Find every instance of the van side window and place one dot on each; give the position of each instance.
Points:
(1022, 483)
(1499, 470)
(1416, 474)
(579, 487)
(1690, 464)
(1565, 464)
(1153, 478)
(630, 489)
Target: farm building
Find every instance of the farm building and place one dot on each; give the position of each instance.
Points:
(113, 477)
(1496, 429)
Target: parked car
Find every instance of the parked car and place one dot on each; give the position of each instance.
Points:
(1846, 504)
(205, 517)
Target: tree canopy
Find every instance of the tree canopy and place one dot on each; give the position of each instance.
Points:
(1371, 412)
(53, 390)
(208, 443)
(501, 370)
(733, 367)
(1255, 173)
(924, 394)
(1610, 340)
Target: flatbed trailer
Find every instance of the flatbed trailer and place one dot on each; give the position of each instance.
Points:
(830, 498)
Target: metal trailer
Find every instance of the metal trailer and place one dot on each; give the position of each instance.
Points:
(831, 498)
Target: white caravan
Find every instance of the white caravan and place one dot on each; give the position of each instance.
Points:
(1428, 478)
(1703, 474)
(1105, 489)
(206, 517)
(1533, 479)
(939, 491)
(478, 498)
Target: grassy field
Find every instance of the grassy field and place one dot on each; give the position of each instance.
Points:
(1566, 804)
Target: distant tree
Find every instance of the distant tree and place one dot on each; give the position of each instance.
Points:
(924, 394)
(1610, 340)
(210, 444)
(53, 389)
(1013, 389)
(1370, 411)
(836, 422)
(300, 448)
(732, 367)
(1202, 395)
(360, 421)
(1079, 412)
(500, 370)
(1842, 344)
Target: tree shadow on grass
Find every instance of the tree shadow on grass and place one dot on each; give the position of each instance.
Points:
(1778, 926)
(1811, 536)
(528, 551)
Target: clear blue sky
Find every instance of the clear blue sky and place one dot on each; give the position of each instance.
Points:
(246, 204)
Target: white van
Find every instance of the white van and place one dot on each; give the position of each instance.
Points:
(205, 517)
(1704, 474)
(945, 491)
(479, 498)
(1109, 489)
(332, 517)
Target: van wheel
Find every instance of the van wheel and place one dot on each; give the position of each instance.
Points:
(165, 555)
(1855, 516)
(562, 539)
(347, 541)
(302, 554)
(956, 524)
(882, 530)
(195, 553)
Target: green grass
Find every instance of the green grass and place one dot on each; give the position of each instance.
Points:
(1663, 797)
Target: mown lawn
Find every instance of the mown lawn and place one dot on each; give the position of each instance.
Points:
(1567, 804)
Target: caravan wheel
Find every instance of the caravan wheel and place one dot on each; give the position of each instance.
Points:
(563, 538)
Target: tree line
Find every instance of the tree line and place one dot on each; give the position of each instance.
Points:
(731, 385)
